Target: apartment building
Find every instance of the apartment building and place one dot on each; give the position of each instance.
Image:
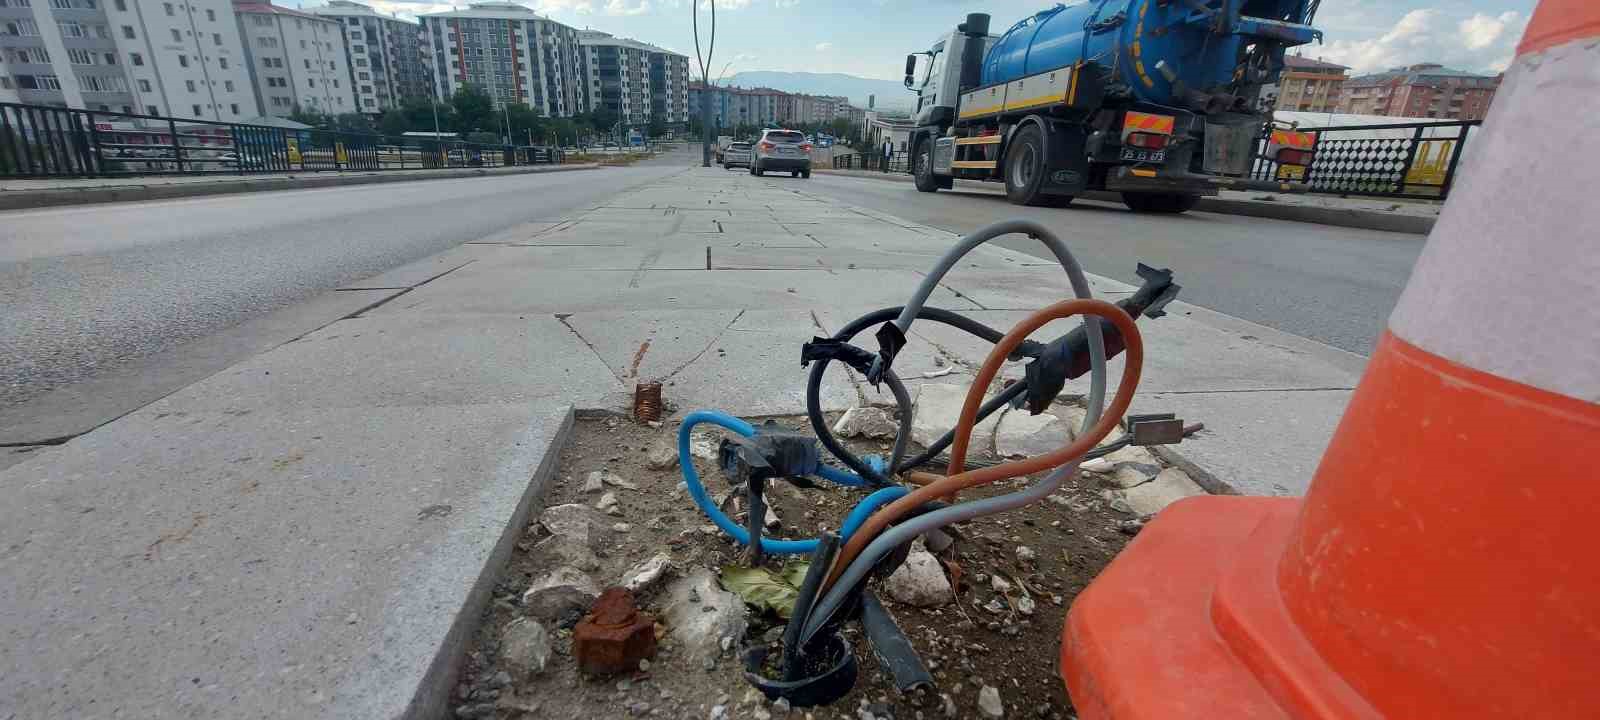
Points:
(388, 60)
(296, 59)
(515, 55)
(636, 81)
(733, 106)
(1307, 85)
(1425, 90)
(182, 58)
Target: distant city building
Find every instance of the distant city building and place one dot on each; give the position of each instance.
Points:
(181, 59)
(296, 59)
(1420, 91)
(515, 55)
(733, 106)
(1306, 85)
(389, 62)
(636, 81)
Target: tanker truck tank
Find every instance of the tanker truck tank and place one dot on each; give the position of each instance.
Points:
(1206, 55)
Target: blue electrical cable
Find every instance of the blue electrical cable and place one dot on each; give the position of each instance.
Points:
(697, 491)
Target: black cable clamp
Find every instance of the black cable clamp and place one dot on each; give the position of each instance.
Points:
(821, 348)
(769, 454)
(890, 340)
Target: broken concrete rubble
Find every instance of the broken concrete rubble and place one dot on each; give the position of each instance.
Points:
(559, 593)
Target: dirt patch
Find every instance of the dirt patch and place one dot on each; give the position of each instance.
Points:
(967, 644)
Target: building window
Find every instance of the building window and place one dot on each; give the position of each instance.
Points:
(211, 15)
(122, 6)
(144, 86)
(233, 108)
(311, 82)
(189, 84)
(80, 57)
(72, 30)
(127, 32)
(196, 110)
(261, 20)
(183, 61)
(336, 84)
(216, 39)
(176, 36)
(111, 58)
(151, 110)
(227, 85)
(222, 63)
(267, 42)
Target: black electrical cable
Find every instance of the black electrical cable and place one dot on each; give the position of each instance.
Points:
(819, 424)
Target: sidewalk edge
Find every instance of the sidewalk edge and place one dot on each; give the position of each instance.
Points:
(1359, 219)
(33, 199)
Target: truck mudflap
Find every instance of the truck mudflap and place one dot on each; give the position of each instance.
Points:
(1138, 179)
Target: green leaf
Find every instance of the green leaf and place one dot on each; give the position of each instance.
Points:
(764, 589)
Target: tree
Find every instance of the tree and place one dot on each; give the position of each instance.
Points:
(483, 138)
(352, 123)
(395, 122)
(474, 109)
(310, 116)
(525, 123)
(657, 129)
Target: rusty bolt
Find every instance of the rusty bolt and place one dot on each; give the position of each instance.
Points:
(647, 402)
(614, 636)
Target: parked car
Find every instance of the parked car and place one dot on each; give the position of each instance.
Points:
(780, 150)
(737, 155)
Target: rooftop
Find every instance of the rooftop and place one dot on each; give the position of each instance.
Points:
(492, 11)
(596, 37)
(347, 8)
(267, 8)
(1420, 73)
(1296, 62)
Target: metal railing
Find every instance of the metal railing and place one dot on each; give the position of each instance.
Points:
(900, 163)
(39, 141)
(1400, 160)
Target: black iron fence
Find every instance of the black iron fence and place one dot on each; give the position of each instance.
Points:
(41, 141)
(1395, 160)
(899, 163)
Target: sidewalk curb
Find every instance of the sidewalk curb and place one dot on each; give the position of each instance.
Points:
(30, 199)
(1360, 219)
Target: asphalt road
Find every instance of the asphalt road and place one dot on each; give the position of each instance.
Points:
(86, 289)
(1330, 284)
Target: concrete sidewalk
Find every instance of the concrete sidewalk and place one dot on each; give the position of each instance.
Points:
(312, 532)
(1368, 213)
(23, 193)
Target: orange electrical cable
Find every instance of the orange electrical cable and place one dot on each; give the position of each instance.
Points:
(958, 480)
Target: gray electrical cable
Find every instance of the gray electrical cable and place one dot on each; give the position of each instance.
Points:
(908, 530)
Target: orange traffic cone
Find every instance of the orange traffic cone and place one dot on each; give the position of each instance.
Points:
(1444, 563)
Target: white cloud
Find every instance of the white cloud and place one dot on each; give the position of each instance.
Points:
(785, 4)
(725, 4)
(1478, 43)
(621, 7)
(1480, 31)
(824, 46)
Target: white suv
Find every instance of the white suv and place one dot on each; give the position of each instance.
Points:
(781, 150)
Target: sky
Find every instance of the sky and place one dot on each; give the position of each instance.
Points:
(870, 38)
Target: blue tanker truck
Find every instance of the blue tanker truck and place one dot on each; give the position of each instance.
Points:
(1155, 99)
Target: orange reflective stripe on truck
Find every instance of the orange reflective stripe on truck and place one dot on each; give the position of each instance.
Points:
(1147, 122)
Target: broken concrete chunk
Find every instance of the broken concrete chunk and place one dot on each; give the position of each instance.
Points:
(1170, 486)
(663, 456)
(989, 702)
(871, 422)
(608, 504)
(700, 613)
(594, 483)
(1022, 435)
(919, 581)
(565, 550)
(938, 409)
(572, 520)
(559, 593)
(615, 480)
(703, 444)
(524, 648)
(646, 574)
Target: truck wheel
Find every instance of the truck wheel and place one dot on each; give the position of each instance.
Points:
(1164, 203)
(922, 174)
(1024, 171)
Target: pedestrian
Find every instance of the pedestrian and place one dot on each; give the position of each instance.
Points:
(888, 153)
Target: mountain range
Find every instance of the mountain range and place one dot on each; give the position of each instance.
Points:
(890, 94)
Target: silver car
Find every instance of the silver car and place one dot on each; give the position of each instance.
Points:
(781, 150)
(736, 155)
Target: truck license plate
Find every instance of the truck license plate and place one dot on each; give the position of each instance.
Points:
(1141, 155)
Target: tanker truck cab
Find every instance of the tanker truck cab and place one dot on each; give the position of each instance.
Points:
(1154, 99)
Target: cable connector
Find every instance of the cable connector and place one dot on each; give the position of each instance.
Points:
(859, 359)
(770, 453)
(1154, 429)
(1067, 357)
